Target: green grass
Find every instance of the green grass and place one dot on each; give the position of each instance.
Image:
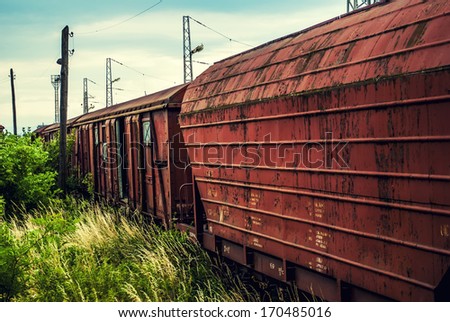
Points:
(75, 251)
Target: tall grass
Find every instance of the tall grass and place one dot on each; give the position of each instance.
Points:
(74, 251)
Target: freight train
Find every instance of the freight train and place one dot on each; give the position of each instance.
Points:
(320, 159)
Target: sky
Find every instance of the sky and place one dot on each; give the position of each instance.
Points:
(149, 46)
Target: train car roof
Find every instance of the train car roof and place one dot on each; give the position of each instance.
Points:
(167, 98)
(55, 126)
(41, 129)
(389, 38)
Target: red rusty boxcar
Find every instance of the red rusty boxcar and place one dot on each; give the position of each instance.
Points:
(136, 156)
(324, 157)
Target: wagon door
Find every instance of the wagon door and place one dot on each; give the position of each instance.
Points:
(160, 136)
(120, 176)
(148, 187)
(139, 157)
(102, 150)
(84, 147)
(77, 148)
(96, 167)
(91, 149)
(132, 154)
(109, 158)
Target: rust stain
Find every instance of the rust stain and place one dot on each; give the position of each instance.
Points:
(377, 80)
(416, 37)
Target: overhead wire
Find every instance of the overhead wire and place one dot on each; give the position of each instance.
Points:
(201, 62)
(121, 22)
(30, 78)
(141, 73)
(221, 34)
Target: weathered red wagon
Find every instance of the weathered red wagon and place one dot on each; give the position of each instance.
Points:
(323, 157)
(135, 154)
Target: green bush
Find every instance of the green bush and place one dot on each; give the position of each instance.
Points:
(25, 177)
(76, 185)
(52, 147)
(2, 206)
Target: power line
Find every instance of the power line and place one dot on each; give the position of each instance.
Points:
(221, 34)
(201, 62)
(32, 77)
(121, 22)
(139, 72)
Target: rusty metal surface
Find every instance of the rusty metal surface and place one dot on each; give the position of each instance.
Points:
(41, 131)
(47, 132)
(233, 251)
(132, 161)
(167, 98)
(317, 284)
(329, 150)
(337, 53)
(167, 172)
(156, 100)
(270, 266)
(126, 169)
(108, 159)
(151, 176)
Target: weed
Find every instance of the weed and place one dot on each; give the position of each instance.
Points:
(76, 251)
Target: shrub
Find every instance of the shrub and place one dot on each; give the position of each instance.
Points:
(2, 206)
(52, 147)
(75, 184)
(25, 178)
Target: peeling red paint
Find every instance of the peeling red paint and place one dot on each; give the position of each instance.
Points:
(368, 216)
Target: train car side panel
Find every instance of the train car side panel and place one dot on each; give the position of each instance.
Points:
(322, 154)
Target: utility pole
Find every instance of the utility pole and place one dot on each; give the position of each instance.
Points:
(86, 94)
(110, 81)
(187, 52)
(56, 79)
(13, 94)
(109, 93)
(63, 107)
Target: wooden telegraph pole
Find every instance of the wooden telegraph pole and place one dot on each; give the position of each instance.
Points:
(13, 94)
(63, 108)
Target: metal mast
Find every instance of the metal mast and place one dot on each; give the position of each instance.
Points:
(86, 94)
(109, 81)
(187, 52)
(56, 80)
(356, 4)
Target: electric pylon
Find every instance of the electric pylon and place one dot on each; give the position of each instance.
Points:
(56, 80)
(86, 94)
(187, 52)
(356, 4)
